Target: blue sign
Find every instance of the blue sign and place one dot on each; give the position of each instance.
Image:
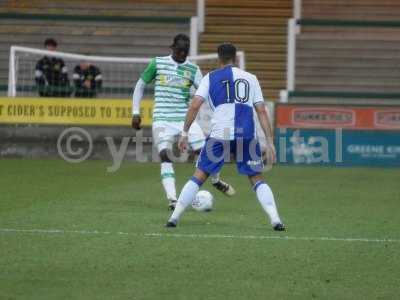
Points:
(338, 147)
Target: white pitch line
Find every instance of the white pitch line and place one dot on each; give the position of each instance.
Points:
(270, 237)
(199, 236)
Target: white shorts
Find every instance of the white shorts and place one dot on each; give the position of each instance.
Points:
(165, 134)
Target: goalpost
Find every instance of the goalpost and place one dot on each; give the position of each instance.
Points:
(119, 74)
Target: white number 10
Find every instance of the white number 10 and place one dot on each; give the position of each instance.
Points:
(242, 90)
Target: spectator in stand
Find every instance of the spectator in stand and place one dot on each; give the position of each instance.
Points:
(51, 74)
(87, 80)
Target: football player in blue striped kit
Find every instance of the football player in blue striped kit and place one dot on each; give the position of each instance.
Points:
(233, 95)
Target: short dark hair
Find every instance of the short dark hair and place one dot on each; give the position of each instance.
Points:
(50, 42)
(181, 42)
(226, 52)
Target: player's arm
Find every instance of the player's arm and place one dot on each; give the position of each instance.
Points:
(259, 106)
(196, 82)
(264, 121)
(197, 78)
(147, 76)
(137, 98)
(197, 101)
(262, 115)
(191, 115)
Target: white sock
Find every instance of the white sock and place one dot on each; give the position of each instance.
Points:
(266, 199)
(168, 180)
(186, 197)
(214, 178)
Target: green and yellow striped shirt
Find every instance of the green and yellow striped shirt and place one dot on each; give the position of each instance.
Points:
(172, 87)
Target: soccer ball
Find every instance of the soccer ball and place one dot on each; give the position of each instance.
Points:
(203, 201)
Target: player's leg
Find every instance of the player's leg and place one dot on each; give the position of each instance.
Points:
(267, 201)
(163, 137)
(210, 161)
(222, 186)
(187, 196)
(249, 162)
(196, 141)
(168, 177)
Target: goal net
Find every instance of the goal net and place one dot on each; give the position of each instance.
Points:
(116, 75)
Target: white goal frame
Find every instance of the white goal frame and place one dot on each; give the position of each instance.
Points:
(12, 74)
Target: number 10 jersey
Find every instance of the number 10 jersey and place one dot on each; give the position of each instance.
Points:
(232, 94)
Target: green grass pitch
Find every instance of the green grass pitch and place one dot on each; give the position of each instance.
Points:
(74, 231)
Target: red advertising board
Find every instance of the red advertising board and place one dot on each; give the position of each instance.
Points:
(332, 116)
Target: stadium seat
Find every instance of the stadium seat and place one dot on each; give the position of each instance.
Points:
(142, 33)
(257, 27)
(175, 8)
(350, 48)
(351, 9)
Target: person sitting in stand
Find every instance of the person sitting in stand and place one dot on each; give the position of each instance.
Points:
(51, 74)
(87, 80)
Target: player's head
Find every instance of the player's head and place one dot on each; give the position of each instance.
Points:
(50, 44)
(227, 53)
(180, 47)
